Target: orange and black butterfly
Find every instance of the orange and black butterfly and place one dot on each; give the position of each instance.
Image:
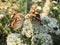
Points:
(17, 21)
(33, 12)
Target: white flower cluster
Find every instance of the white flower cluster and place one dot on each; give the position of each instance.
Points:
(41, 39)
(14, 39)
(27, 28)
(51, 25)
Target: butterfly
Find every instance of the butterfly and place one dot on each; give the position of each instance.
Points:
(33, 11)
(17, 21)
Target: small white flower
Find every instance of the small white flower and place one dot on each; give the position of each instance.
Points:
(55, 8)
(1, 16)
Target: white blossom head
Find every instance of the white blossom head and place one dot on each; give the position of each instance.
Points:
(51, 25)
(2, 15)
(14, 39)
(41, 39)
